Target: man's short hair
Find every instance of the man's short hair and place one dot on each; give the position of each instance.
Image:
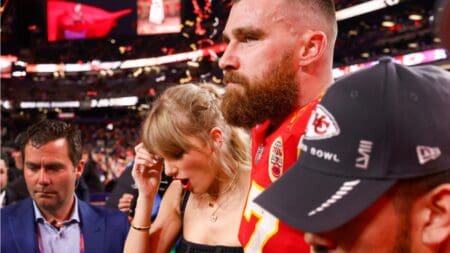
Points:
(48, 130)
(324, 7)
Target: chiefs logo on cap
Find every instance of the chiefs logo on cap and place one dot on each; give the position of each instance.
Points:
(321, 125)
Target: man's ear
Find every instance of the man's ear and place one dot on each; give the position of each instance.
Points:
(80, 168)
(436, 229)
(217, 136)
(313, 45)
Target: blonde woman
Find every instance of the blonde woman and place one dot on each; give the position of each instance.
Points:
(186, 135)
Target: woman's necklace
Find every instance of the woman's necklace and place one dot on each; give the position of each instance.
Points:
(213, 217)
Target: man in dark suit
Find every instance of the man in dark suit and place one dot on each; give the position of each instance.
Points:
(54, 219)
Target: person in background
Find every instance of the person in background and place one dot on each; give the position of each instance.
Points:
(443, 21)
(209, 163)
(15, 170)
(118, 165)
(53, 219)
(277, 64)
(374, 174)
(17, 189)
(3, 178)
(90, 174)
(125, 186)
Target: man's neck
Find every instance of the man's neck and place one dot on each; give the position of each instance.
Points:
(276, 122)
(273, 126)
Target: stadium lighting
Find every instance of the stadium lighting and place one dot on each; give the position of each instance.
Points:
(364, 8)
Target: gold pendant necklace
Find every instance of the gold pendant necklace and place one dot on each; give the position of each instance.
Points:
(230, 188)
(213, 217)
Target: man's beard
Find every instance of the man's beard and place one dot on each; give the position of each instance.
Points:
(274, 96)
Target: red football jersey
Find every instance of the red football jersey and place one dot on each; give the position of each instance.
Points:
(272, 155)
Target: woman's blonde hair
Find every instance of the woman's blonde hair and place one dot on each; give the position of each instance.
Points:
(191, 110)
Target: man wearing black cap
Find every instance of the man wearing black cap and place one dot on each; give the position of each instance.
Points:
(374, 174)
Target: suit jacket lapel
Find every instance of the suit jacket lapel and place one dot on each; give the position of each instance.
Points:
(93, 228)
(23, 227)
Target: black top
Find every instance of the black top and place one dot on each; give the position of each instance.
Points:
(190, 247)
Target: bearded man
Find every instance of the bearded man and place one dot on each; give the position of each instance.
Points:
(277, 64)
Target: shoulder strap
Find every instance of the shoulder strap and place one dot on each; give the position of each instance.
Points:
(184, 199)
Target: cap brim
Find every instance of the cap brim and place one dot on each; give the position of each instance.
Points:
(312, 201)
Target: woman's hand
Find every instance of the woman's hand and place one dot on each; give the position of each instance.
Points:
(146, 171)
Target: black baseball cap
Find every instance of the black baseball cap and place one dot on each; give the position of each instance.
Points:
(372, 128)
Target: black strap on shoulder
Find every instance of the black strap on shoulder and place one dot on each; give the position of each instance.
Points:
(184, 199)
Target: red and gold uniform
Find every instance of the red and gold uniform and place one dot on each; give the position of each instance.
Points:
(272, 155)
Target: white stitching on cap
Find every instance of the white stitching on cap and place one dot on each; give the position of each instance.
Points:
(345, 188)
